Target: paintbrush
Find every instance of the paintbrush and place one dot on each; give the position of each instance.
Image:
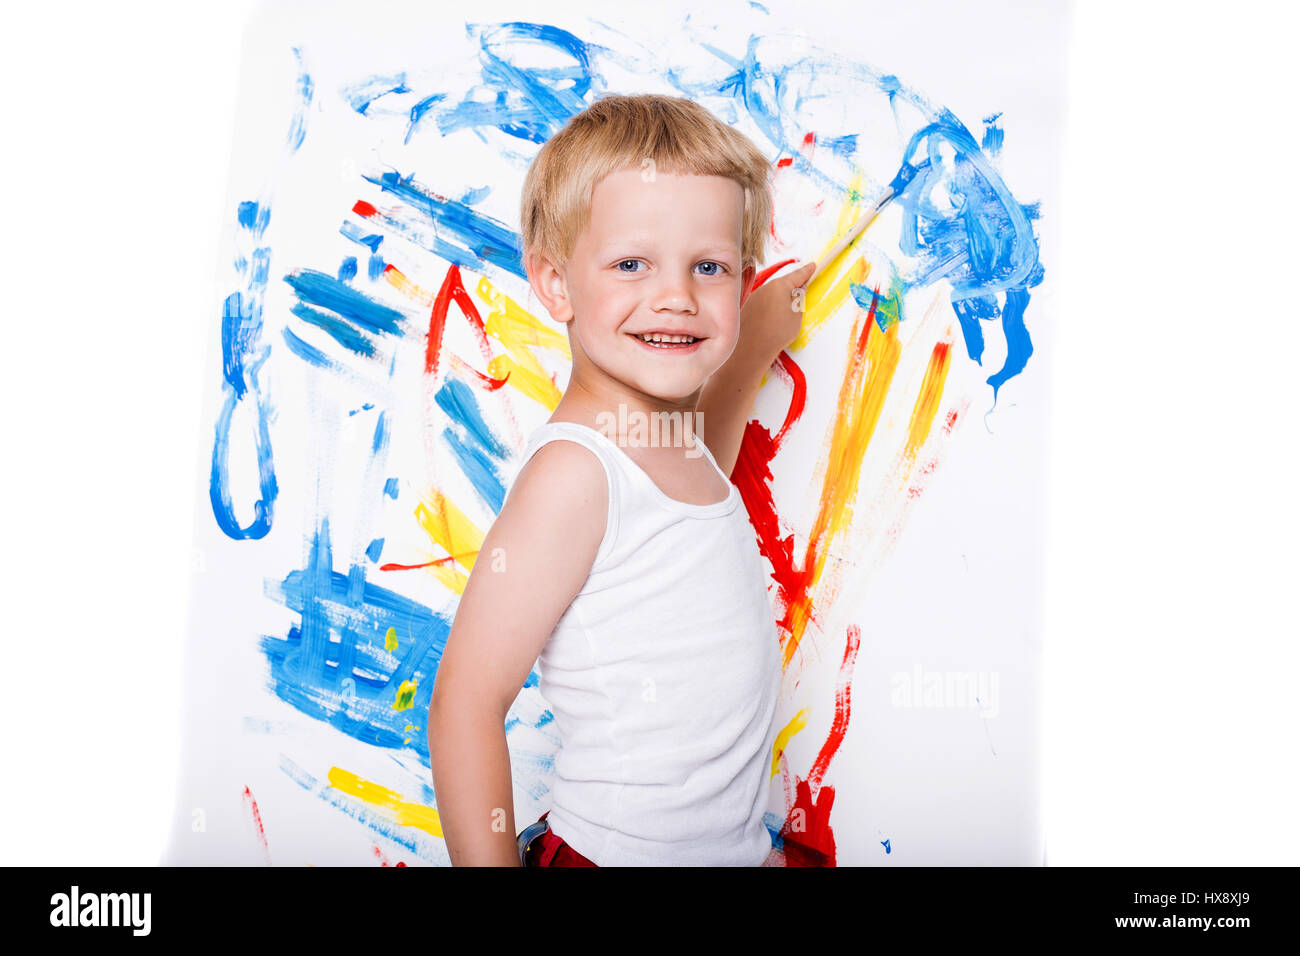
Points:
(896, 186)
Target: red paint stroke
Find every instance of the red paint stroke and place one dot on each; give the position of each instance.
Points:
(769, 272)
(487, 381)
(363, 208)
(412, 567)
(789, 370)
(814, 845)
(257, 822)
(753, 478)
(453, 290)
(383, 860)
(784, 161)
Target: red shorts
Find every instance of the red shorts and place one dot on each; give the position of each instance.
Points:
(550, 850)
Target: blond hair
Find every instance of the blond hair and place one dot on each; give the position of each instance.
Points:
(620, 132)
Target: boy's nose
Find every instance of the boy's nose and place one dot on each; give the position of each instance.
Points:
(674, 293)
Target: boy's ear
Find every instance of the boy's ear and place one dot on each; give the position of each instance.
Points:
(549, 285)
(746, 281)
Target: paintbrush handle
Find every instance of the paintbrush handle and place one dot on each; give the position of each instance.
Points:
(862, 223)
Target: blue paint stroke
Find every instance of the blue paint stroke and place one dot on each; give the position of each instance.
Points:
(308, 669)
(525, 102)
(298, 125)
(346, 335)
(479, 452)
(323, 289)
(242, 356)
(380, 443)
(348, 269)
(993, 135)
(360, 95)
(979, 239)
(375, 549)
(462, 236)
(358, 235)
(775, 825)
(390, 488)
(419, 111)
(352, 683)
(308, 353)
(356, 320)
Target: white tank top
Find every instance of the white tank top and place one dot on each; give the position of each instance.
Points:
(663, 675)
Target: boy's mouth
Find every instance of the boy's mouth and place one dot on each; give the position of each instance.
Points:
(667, 341)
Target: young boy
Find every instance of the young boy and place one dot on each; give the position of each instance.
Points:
(629, 565)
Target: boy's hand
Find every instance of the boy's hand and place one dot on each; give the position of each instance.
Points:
(772, 315)
(770, 319)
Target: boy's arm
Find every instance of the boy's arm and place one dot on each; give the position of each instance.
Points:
(770, 319)
(534, 560)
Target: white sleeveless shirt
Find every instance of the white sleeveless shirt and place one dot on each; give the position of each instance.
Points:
(663, 675)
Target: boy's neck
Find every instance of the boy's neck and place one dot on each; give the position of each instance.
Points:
(631, 418)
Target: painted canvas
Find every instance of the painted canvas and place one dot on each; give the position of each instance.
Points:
(377, 362)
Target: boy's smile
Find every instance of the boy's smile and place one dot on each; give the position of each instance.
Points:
(654, 285)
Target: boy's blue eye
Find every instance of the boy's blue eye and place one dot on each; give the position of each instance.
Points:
(716, 270)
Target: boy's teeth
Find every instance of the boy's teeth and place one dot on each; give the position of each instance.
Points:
(656, 337)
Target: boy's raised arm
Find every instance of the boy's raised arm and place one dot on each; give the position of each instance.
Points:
(770, 319)
(534, 560)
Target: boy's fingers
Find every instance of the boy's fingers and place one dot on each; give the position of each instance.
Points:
(801, 275)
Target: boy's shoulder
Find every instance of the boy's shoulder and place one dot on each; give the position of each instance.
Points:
(556, 511)
(562, 473)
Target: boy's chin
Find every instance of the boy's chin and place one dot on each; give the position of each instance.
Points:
(678, 390)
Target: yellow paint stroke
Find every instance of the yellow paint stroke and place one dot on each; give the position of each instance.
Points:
(861, 398)
(515, 328)
(825, 295)
(391, 804)
(408, 288)
(390, 640)
(927, 400)
(452, 530)
(405, 696)
(827, 292)
(521, 332)
(797, 723)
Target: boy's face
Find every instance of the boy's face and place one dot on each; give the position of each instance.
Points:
(657, 256)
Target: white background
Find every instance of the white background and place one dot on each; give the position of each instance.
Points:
(1170, 723)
